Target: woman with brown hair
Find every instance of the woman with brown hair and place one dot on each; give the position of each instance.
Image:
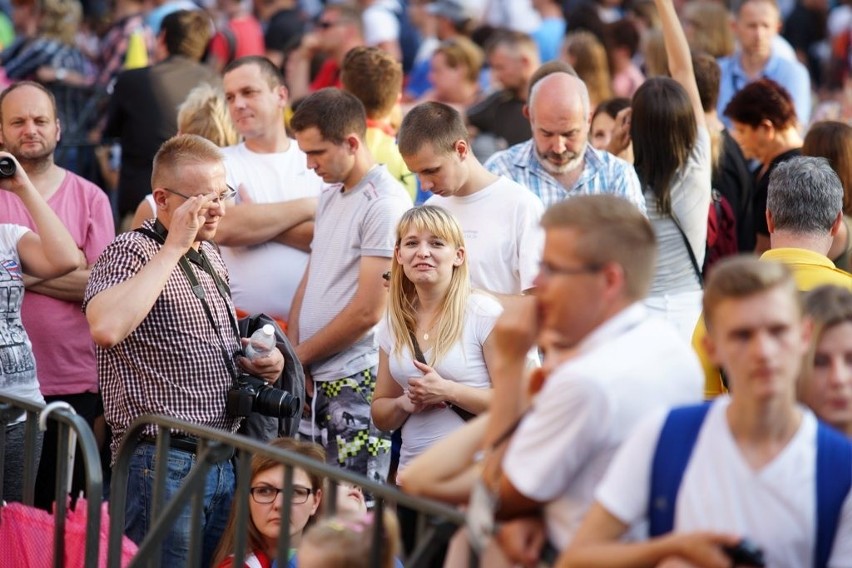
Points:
(763, 119)
(587, 55)
(454, 73)
(832, 140)
(266, 498)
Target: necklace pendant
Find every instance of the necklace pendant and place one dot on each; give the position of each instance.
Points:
(425, 337)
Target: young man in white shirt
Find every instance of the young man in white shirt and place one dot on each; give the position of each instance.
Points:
(750, 470)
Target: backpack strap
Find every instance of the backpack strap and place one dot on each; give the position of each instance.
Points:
(674, 448)
(833, 482)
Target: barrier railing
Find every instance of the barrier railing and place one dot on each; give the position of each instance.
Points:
(10, 408)
(215, 446)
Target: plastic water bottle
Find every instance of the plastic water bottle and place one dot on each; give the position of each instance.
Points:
(261, 343)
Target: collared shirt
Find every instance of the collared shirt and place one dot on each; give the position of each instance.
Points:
(173, 363)
(602, 173)
(791, 75)
(628, 367)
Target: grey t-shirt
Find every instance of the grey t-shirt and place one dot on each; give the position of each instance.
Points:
(349, 225)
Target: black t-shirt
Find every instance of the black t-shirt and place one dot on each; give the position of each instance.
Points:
(761, 189)
(501, 114)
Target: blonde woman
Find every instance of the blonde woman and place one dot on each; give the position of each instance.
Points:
(204, 113)
(435, 347)
(432, 310)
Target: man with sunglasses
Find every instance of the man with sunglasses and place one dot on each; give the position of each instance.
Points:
(160, 313)
(337, 30)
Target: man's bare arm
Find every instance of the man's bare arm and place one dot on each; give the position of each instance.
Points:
(254, 223)
(69, 287)
(299, 237)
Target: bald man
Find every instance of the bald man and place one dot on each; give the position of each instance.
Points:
(558, 162)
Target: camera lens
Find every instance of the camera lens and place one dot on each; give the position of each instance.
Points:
(271, 401)
(7, 167)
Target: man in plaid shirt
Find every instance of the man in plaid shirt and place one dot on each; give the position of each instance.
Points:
(161, 348)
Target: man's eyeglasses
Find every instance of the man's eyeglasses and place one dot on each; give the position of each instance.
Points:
(229, 193)
(547, 270)
(266, 494)
(324, 24)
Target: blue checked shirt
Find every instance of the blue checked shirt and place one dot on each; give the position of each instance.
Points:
(602, 173)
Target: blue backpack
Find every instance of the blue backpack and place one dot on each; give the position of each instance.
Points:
(674, 448)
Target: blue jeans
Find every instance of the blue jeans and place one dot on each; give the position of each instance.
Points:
(218, 491)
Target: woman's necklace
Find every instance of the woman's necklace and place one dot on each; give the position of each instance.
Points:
(429, 330)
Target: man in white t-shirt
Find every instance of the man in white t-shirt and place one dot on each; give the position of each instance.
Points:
(267, 236)
(751, 471)
(598, 263)
(500, 218)
(341, 297)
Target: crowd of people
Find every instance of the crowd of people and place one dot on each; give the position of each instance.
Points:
(496, 241)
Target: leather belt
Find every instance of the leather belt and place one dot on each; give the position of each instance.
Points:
(178, 442)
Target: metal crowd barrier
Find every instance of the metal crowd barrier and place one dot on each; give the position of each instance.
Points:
(87, 448)
(215, 446)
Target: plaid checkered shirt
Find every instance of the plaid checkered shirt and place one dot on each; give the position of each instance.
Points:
(602, 173)
(174, 362)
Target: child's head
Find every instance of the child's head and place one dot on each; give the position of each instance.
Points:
(347, 541)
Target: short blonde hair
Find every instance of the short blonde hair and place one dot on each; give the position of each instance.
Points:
(741, 276)
(204, 113)
(462, 52)
(180, 151)
(611, 229)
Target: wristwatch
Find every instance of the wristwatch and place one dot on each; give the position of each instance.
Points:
(61, 74)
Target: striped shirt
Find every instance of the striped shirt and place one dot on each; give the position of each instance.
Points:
(173, 363)
(602, 173)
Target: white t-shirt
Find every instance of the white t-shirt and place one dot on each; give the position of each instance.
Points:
(502, 234)
(625, 369)
(18, 369)
(774, 507)
(264, 277)
(463, 364)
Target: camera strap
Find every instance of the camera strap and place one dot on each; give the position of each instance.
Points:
(200, 259)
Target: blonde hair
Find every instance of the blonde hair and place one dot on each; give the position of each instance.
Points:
(712, 24)
(204, 113)
(347, 542)
(402, 308)
(462, 52)
(180, 151)
(739, 277)
(587, 55)
(60, 19)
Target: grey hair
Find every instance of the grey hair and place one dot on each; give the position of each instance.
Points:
(805, 195)
(581, 86)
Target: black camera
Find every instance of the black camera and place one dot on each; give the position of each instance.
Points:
(745, 553)
(251, 394)
(7, 167)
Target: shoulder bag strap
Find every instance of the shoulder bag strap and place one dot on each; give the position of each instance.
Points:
(692, 258)
(833, 482)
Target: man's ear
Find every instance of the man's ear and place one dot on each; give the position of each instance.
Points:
(526, 111)
(58, 130)
(835, 227)
(462, 148)
(770, 222)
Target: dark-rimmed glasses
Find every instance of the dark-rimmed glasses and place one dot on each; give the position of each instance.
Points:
(229, 193)
(266, 494)
(546, 270)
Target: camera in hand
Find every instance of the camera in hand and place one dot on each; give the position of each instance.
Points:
(251, 394)
(745, 553)
(7, 167)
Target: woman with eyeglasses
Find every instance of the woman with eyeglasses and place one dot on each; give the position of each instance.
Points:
(266, 506)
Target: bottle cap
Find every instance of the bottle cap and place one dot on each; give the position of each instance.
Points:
(268, 329)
